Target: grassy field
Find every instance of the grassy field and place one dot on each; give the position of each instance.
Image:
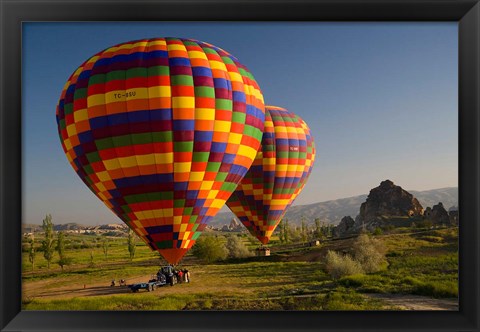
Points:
(419, 262)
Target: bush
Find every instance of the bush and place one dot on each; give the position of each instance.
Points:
(64, 261)
(369, 253)
(356, 280)
(378, 231)
(339, 266)
(210, 249)
(436, 289)
(236, 248)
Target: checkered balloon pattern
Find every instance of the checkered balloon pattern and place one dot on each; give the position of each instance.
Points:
(162, 131)
(277, 175)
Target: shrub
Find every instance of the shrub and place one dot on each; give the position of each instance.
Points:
(210, 249)
(236, 248)
(369, 253)
(436, 289)
(64, 261)
(353, 281)
(378, 231)
(339, 266)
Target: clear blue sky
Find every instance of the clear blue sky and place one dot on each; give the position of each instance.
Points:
(381, 100)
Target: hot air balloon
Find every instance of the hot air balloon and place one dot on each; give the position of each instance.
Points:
(277, 175)
(162, 130)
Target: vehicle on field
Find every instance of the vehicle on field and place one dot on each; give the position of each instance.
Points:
(166, 275)
(170, 274)
(151, 285)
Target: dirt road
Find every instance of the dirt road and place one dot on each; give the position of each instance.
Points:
(41, 290)
(44, 289)
(415, 302)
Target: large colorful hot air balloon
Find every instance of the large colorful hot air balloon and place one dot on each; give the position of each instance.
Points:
(278, 174)
(162, 131)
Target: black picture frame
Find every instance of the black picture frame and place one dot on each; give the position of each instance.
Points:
(14, 12)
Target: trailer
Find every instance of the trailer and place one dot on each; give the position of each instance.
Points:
(150, 285)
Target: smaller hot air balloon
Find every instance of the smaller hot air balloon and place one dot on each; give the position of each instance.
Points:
(278, 174)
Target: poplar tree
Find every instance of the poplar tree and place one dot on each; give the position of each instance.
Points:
(31, 251)
(131, 244)
(48, 244)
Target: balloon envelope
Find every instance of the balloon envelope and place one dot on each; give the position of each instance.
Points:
(278, 174)
(162, 131)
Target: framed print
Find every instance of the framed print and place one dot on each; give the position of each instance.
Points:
(239, 165)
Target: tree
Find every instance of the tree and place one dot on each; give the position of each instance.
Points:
(92, 262)
(63, 259)
(61, 244)
(31, 251)
(105, 246)
(132, 246)
(285, 231)
(210, 249)
(294, 234)
(236, 248)
(303, 230)
(281, 229)
(369, 252)
(48, 244)
(318, 228)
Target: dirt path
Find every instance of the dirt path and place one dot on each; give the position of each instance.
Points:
(396, 301)
(416, 302)
(45, 289)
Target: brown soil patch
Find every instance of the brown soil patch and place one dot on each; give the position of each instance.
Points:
(415, 302)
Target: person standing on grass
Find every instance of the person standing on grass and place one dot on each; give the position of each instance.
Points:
(186, 275)
(180, 276)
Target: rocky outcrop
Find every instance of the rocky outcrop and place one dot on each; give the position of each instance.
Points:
(437, 214)
(234, 226)
(383, 202)
(389, 200)
(453, 215)
(345, 226)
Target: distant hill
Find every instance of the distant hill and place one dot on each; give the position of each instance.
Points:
(330, 211)
(68, 227)
(333, 211)
(448, 196)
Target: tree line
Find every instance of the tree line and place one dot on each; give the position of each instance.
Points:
(303, 233)
(52, 243)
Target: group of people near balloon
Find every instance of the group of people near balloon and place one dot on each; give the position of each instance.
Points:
(166, 131)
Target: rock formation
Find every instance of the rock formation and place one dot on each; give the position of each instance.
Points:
(345, 226)
(453, 214)
(437, 214)
(389, 200)
(235, 225)
(386, 200)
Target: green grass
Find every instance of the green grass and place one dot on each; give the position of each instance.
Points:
(142, 301)
(415, 266)
(418, 263)
(340, 299)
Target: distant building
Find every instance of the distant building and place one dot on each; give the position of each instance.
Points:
(263, 251)
(314, 243)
